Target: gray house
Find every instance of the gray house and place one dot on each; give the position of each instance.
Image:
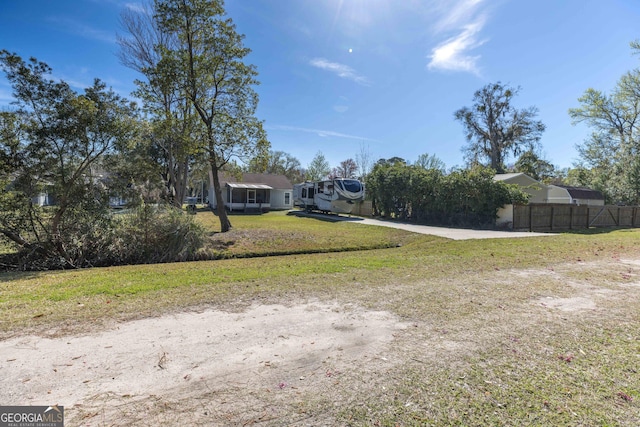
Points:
(253, 191)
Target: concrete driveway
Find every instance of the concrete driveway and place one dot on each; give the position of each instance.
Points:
(449, 233)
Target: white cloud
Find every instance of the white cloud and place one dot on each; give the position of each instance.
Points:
(84, 30)
(455, 14)
(465, 20)
(340, 108)
(341, 70)
(452, 55)
(318, 132)
(136, 7)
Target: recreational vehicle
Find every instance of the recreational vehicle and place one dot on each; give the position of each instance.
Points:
(336, 195)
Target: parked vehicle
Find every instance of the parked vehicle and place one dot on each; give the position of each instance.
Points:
(336, 195)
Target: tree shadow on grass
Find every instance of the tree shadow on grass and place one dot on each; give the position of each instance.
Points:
(329, 217)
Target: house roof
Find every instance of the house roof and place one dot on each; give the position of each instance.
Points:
(272, 181)
(518, 178)
(249, 186)
(582, 193)
(506, 176)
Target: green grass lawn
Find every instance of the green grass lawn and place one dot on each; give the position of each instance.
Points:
(278, 233)
(484, 349)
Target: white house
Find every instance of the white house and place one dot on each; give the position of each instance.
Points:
(253, 191)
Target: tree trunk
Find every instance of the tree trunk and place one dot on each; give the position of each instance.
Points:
(181, 182)
(225, 224)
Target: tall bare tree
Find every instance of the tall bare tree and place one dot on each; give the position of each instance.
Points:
(172, 116)
(430, 161)
(364, 161)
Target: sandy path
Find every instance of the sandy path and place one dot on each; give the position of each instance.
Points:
(270, 347)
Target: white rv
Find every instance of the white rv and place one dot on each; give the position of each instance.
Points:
(336, 195)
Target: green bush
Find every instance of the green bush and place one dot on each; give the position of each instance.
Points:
(469, 197)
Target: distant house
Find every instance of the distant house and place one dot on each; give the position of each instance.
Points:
(574, 195)
(43, 199)
(537, 191)
(253, 192)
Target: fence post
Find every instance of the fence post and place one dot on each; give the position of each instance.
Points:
(588, 215)
(552, 215)
(530, 218)
(571, 217)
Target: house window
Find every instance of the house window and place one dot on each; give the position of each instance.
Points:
(287, 198)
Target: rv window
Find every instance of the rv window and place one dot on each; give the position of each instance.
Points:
(311, 192)
(304, 193)
(352, 185)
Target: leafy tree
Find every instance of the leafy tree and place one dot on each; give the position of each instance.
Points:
(207, 65)
(391, 161)
(430, 161)
(135, 172)
(535, 166)
(495, 129)
(53, 142)
(611, 153)
(425, 195)
(346, 169)
(277, 162)
(318, 169)
(388, 187)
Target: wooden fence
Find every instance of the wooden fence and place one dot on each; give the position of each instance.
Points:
(363, 208)
(557, 217)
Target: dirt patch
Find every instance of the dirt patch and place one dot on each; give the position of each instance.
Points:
(321, 363)
(569, 304)
(270, 348)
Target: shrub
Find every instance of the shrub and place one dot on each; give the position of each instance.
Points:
(467, 197)
(154, 234)
(98, 238)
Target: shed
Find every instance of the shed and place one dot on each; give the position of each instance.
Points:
(537, 191)
(575, 195)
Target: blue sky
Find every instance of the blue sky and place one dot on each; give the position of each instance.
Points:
(386, 75)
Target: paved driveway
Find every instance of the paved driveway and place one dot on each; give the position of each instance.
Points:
(449, 233)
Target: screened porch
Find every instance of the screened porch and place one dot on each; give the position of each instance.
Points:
(248, 197)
